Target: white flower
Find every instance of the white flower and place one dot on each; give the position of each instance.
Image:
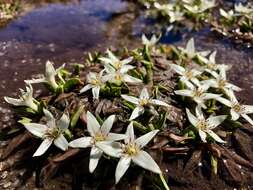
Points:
(120, 75)
(187, 76)
(220, 81)
(49, 77)
(243, 9)
(52, 132)
(166, 8)
(26, 99)
(202, 7)
(114, 61)
(150, 43)
(176, 15)
(131, 150)
(228, 15)
(98, 134)
(198, 94)
(191, 52)
(95, 82)
(141, 102)
(205, 126)
(237, 109)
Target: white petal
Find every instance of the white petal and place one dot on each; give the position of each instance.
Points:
(136, 113)
(247, 109)
(215, 137)
(144, 160)
(159, 102)
(131, 99)
(13, 101)
(208, 96)
(92, 124)
(82, 142)
(126, 61)
(125, 68)
(95, 155)
(48, 114)
(144, 139)
(112, 56)
(144, 94)
(122, 167)
(85, 88)
(105, 60)
(193, 120)
(130, 134)
(113, 149)
(95, 92)
(36, 129)
(199, 113)
(224, 101)
(61, 142)
(115, 137)
(109, 69)
(215, 121)
(63, 123)
(107, 125)
(43, 147)
(50, 71)
(247, 118)
(177, 68)
(34, 81)
(184, 93)
(234, 115)
(202, 135)
(130, 79)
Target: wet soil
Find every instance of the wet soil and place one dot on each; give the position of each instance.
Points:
(64, 32)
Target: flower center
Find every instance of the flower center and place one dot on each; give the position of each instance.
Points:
(189, 74)
(202, 125)
(99, 137)
(118, 77)
(211, 66)
(131, 149)
(197, 93)
(117, 65)
(222, 83)
(94, 82)
(53, 133)
(237, 107)
(144, 102)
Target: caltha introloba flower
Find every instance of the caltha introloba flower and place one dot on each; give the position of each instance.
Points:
(190, 51)
(187, 76)
(149, 42)
(26, 99)
(120, 75)
(98, 134)
(237, 110)
(49, 76)
(114, 61)
(141, 102)
(220, 81)
(95, 82)
(205, 126)
(198, 94)
(131, 150)
(51, 132)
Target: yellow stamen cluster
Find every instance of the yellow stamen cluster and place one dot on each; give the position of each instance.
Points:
(144, 102)
(131, 149)
(100, 137)
(189, 74)
(53, 133)
(202, 125)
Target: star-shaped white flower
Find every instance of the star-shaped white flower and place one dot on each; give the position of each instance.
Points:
(141, 102)
(228, 15)
(201, 7)
(120, 75)
(191, 52)
(26, 99)
(220, 81)
(98, 134)
(95, 82)
(114, 61)
(150, 43)
(243, 9)
(49, 77)
(131, 150)
(198, 94)
(165, 8)
(187, 76)
(205, 126)
(52, 132)
(237, 110)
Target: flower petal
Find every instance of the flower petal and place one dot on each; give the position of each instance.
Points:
(85, 88)
(122, 167)
(34, 81)
(136, 113)
(95, 155)
(234, 115)
(112, 149)
(13, 101)
(144, 94)
(95, 92)
(247, 118)
(115, 137)
(193, 120)
(130, 79)
(144, 160)
(36, 129)
(144, 139)
(43, 147)
(247, 109)
(92, 124)
(107, 125)
(61, 142)
(184, 93)
(215, 121)
(177, 68)
(127, 60)
(126, 68)
(159, 102)
(202, 135)
(131, 99)
(63, 123)
(130, 134)
(215, 137)
(82, 142)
